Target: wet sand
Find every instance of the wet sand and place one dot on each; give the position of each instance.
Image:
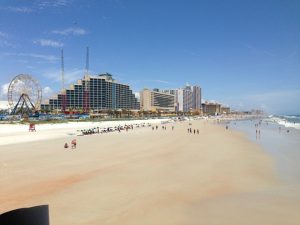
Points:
(149, 177)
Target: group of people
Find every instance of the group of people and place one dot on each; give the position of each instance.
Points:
(156, 127)
(257, 129)
(279, 128)
(94, 130)
(191, 131)
(119, 128)
(73, 144)
(163, 127)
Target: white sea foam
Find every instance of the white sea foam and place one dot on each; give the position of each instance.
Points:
(283, 121)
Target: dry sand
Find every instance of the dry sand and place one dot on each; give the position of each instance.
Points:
(18, 133)
(149, 177)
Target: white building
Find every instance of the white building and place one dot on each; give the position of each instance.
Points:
(184, 100)
(187, 98)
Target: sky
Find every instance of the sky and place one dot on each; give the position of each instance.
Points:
(245, 54)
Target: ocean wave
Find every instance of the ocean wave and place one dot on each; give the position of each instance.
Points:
(284, 121)
(292, 117)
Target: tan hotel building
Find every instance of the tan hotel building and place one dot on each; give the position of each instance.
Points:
(154, 100)
(210, 108)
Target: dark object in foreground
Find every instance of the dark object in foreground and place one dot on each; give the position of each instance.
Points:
(38, 215)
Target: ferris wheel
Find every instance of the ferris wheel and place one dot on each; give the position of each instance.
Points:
(24, 95)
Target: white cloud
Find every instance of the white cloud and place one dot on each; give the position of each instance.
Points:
(161, 81)
(137, 95)
(48, 42)
(3, 91)
(53, 3)
(47, 92)
(37, 5)
(14, 9)
(76, 31)
(70, 76)
(19, 9)
(212, 101)
(49, 58)
(4, 104)
(4, 41)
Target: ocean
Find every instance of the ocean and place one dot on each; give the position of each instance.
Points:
(279, 137)
(285, 120)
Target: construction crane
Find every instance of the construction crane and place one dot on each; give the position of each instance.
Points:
(63, 92)
(86, 98)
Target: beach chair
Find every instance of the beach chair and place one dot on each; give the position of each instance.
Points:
(31, 127)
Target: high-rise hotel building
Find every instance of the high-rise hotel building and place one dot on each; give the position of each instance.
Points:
(104, 93)
(187, 98)
(196, 97)
(184, 100)
(155, 100)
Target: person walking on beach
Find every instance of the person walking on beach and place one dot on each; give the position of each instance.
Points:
(73, 143)
(197, 131)
(172, 127)
(194, 131)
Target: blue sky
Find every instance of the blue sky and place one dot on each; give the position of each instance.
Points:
(242, 53)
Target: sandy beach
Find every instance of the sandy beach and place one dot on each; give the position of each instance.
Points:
(18, 133)
(139, 177)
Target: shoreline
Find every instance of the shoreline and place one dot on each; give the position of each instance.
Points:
(278, 143)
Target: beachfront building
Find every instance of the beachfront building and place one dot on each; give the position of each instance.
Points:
(155, 100)
(225, 110)
(170, 91)
(104, 93)
(196, 97)
(211, 108)
(187, 99)
(184, 100)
